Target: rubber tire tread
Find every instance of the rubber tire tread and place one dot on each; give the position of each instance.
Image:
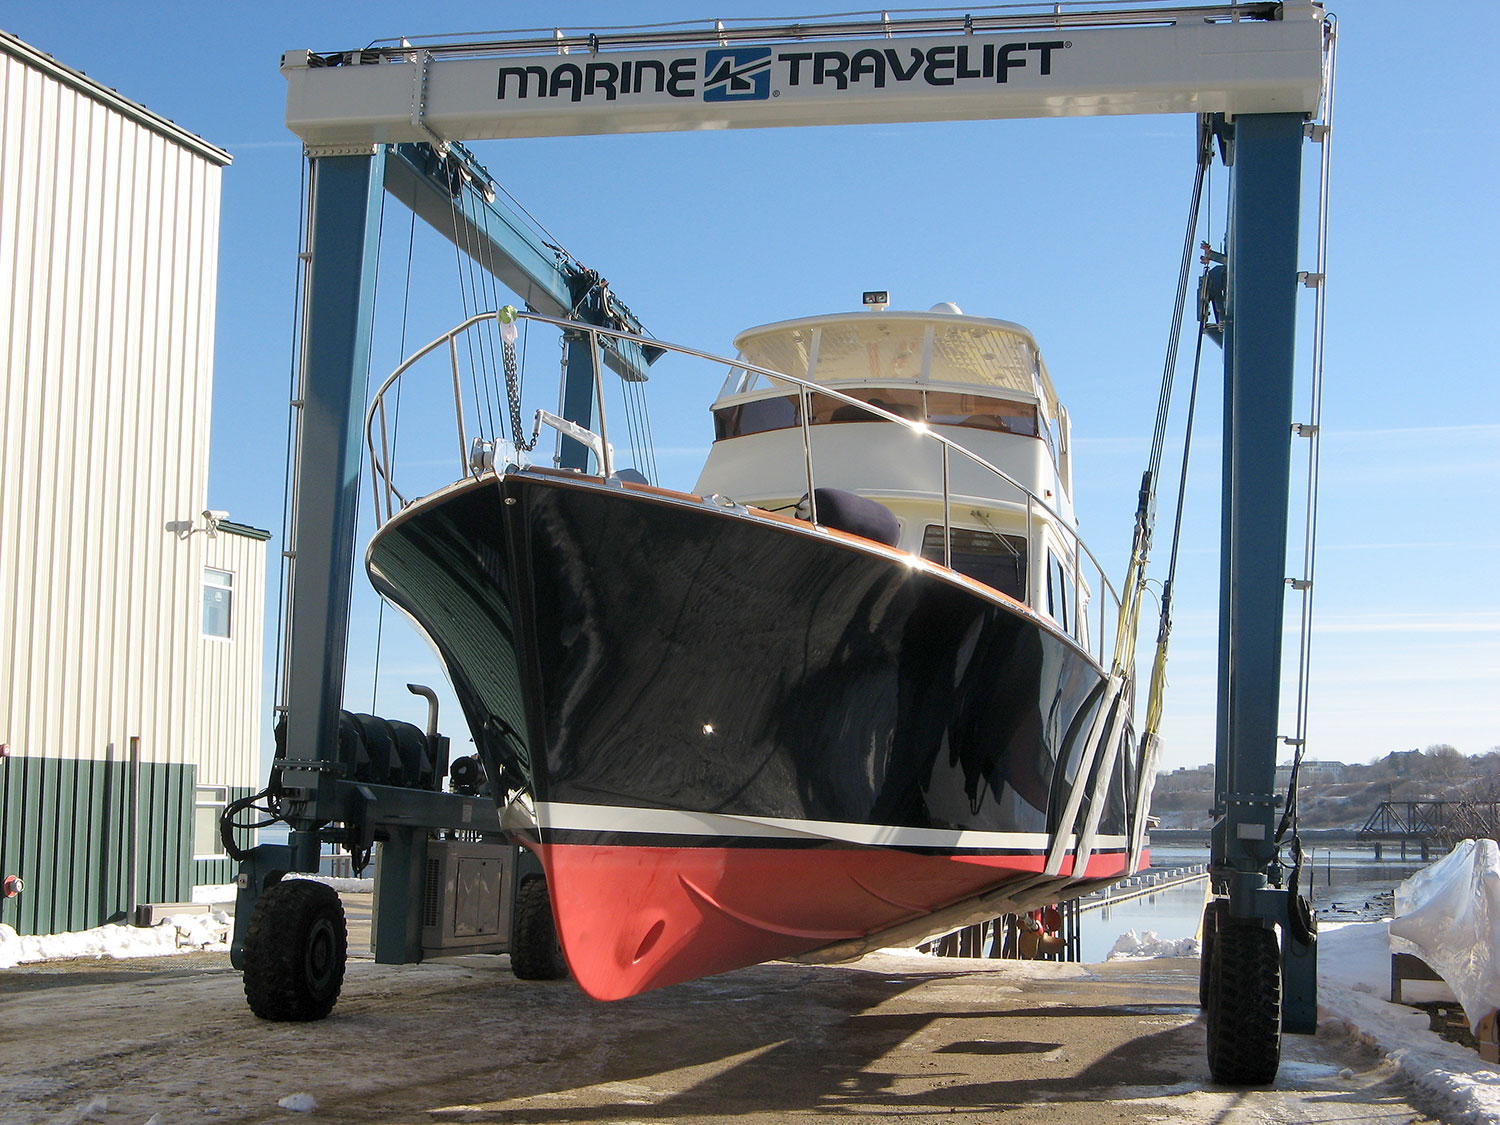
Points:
(1213, 913)
(279, 982)
(534, 951)
(1244, 1008)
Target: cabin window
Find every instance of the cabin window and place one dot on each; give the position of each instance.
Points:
(942, 408)
(1060, 592)
(1050, 435)
(904, 404)
(999, 561)
(756, 417)
(945, 408)
(218, 594)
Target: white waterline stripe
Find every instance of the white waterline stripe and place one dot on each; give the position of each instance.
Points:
(564, 816)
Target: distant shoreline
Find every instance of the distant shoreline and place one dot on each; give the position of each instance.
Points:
(1185, 837)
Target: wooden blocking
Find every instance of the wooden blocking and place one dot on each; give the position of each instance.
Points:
(1407, 966)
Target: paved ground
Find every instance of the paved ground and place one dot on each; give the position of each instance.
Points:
(461, 1040)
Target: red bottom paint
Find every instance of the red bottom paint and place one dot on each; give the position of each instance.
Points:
(636, 918)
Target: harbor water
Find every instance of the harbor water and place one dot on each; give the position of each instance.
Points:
(1344, 883)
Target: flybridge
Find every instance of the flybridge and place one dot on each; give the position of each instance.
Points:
(1237, 59)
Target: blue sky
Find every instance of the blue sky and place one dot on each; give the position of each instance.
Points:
(1071, 227)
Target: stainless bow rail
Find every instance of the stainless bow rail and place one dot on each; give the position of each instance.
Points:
(479, 457)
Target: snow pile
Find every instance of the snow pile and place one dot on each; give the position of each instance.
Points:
(343, 886)
(1132, 947)
(211, 893)
(181, 933)
(95, 1109)
(1354, 970)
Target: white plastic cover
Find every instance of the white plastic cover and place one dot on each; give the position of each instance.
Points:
(1449, 915)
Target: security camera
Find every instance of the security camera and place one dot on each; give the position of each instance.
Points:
(213, 515)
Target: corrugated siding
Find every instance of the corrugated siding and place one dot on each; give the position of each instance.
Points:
(108, 261)
(229, 747)
(64, 828)
(109, 228)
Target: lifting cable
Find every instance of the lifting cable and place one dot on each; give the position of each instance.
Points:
(1134, 587)
(462, 249)
(1157, 691)
(639, 417)
(650, 437)
(1164, 629)
(632, 422)
(293, 436)
(270, 811)
(1135, 583)
(1311, 430)
(489, 298)
(411, 240)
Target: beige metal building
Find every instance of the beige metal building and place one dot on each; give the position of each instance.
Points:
(130, 617)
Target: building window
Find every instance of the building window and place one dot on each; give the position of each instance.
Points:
(218, 596)
(208, 807)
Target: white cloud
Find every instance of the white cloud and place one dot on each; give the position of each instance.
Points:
(1477, 429)
(1479, 621)
(1432, 545)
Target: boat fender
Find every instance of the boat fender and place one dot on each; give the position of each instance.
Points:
(855, 514)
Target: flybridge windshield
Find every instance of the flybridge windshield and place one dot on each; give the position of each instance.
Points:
(876, 349)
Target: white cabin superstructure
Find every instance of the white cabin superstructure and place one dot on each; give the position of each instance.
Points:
(978, 382)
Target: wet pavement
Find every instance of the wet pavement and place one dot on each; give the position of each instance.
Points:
(460, 1039)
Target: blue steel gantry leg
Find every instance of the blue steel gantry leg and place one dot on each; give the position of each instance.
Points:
(340, 305)
(1258, 371)
(344, 241)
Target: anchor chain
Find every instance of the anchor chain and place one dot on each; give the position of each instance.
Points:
(507, 318)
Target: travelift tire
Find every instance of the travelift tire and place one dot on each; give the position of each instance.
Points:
(1244, 1004)
(1213, 910)
(535, 953)
(296, 947)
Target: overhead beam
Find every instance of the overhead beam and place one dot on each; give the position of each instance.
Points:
(1192, 64)
(496, 237)
(466, 211)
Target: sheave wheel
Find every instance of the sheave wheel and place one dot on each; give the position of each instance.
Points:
(534, 950)
(1213, 910)
(295, 948)
(1244, 1004)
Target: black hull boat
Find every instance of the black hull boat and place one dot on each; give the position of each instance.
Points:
(739, 736)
